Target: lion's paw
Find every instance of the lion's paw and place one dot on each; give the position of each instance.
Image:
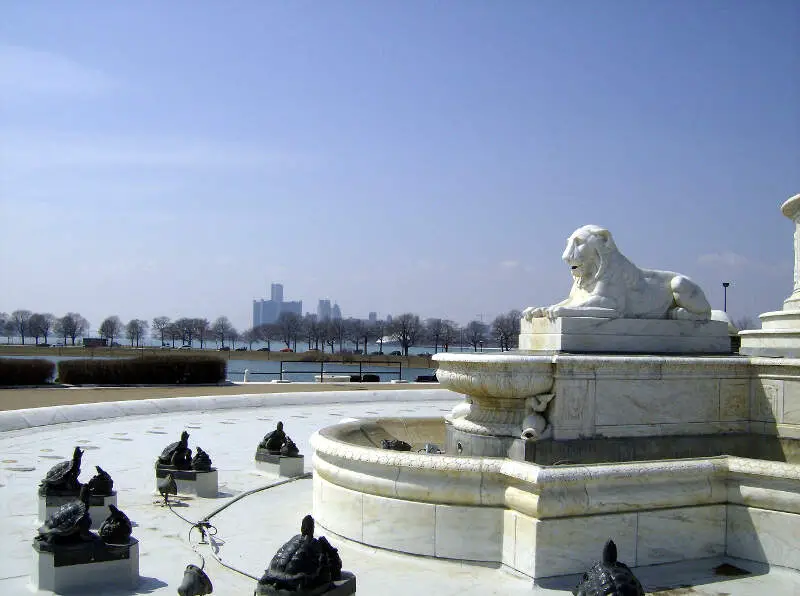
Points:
(534, 312)
(554, 312)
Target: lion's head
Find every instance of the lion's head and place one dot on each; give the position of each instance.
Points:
(587, 253)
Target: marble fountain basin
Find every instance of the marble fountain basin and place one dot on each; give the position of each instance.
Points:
(548, 520)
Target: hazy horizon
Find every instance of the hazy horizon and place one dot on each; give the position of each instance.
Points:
(398, 156)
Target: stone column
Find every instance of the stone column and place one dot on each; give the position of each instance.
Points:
(791, 209)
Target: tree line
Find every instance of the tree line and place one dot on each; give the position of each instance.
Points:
(407, 329)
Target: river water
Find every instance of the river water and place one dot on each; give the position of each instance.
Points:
(264, 370)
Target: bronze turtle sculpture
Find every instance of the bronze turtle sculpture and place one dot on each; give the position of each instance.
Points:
(167, 486)
(64, 475)
(289, 448)
(195, 582)
(395, 445)
(609, 577)
(101, 483)
(117, 528)
(201, 462)
(177, 454)
(70, 522)
(305, 565)
(273, 441)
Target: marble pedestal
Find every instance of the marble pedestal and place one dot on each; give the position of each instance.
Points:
(192, 482)
(98, 507)
(467, 444)
(121, 569)
(641, 336)
(779, 336)
(279, 465)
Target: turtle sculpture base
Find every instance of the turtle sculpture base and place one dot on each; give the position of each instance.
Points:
(273, 464)
(81, 566)
(342, 587)
(192, 482)
(98, 506)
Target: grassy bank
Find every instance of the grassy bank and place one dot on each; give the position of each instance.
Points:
(15, 399)
(126, 352)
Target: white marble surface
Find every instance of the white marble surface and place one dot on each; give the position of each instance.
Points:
(81, 579)
(286, 467)
(766, 536)
(469, 532)
(406, 526)
(251, 530)
(607, 284)
(570, 545)
(680, 534)
(642, 336)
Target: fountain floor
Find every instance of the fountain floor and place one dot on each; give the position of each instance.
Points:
(253, 528)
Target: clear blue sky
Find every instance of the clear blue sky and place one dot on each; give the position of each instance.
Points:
(174, 158)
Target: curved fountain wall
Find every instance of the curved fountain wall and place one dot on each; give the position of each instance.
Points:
(549, 520)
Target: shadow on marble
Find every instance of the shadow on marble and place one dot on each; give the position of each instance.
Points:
(147, 585)
(684, 575)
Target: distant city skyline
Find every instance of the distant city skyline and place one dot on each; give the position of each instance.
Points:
(395, 156)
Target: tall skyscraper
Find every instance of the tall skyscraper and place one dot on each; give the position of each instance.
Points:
(268, 311)
(373, 316)
(324, 310)
(276, 292)
(336, 312)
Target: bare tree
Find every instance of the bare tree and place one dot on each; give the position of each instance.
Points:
(505, 329)
(20, 319)
(39, 325)
(475, 333)
(233, 337)
(311, 330)
(449, 333)
(330, 334)
(746, 322)
(174, 332)
(367, 333)
(186, 327)
(221, 329)
(6, 326)
(160, 325)
(433, 327)
(71, 325)
(338, 328)
(201, 328)
(352, 332)
(250, 336)
(290, 325)
(268, 332)
(406, 329)
(379, 329)
(110, 328)
(135, 330)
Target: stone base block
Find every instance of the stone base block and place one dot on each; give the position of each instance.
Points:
(98, 507)
(632, 336)
(770, 342)
(332, 378)
(459, 442)
(49, 574)
(764, 536)
(279, 465)
(202, 484)
(343, 587)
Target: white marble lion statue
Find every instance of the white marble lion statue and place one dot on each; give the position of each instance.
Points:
(608, 285)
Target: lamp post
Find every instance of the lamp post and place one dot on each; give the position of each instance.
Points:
(725, 285)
